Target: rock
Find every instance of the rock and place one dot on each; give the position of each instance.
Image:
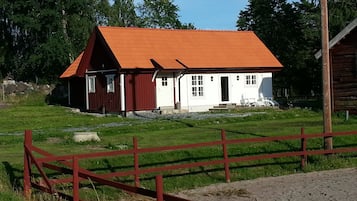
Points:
(85, 136)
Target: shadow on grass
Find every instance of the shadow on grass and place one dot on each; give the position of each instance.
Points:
(11, 172)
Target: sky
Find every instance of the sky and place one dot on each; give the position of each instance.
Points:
(211, 14)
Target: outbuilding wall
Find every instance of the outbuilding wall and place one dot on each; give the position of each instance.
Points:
(344, 73)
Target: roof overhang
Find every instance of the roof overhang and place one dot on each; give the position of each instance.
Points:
(339, 36)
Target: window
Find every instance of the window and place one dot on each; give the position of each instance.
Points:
(110, 83)
(197, 85)
(250, 79)
(164, 81)
(91, 84)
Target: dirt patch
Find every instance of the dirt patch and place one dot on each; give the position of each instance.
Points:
(318, 186)
(54, 140)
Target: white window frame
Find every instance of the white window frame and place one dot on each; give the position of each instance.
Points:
(110, 83)
(197, 85)
(91, 83)
(251, 80)
(164, 81)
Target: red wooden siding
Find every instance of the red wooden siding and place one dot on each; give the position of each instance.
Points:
(101, 60)
(140, 92)
(344, 73)
(101, 101)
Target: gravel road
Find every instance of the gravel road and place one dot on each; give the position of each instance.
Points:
(332, 185)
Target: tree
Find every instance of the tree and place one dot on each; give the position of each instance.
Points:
(341, 12)
(102, 12)
(276, 22)
(39, 39)
(5, 37)
(292, 32)
(42, 37)
(123, 14)
(159, 14)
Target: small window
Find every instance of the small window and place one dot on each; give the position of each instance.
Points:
(110, 83)
(194, 91)
(254, 79)
(197, 85)
(91, 84)
(250, 79)
(164, 81)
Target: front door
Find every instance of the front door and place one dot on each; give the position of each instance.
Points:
(224, 89)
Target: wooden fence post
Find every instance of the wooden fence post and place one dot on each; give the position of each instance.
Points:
(225, 155)
(303, 148)
(159, 188)
(136, 162)
(75, 168)
(27, 164)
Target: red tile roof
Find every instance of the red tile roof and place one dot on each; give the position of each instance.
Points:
(72, 69)
(193, 49)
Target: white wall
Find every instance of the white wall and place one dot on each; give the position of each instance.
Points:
(239, 91)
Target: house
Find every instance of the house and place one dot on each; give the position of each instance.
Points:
(343, 64)
(130, 69)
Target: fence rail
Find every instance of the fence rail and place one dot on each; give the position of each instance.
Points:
(71, 166)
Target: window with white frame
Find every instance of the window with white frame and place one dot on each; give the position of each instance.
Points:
(197, 85)
(250, 80)
(110, 83)
(91, 84)
(164, 81)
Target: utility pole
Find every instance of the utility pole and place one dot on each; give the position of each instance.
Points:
(326, 75)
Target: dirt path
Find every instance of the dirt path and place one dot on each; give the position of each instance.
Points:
(334, 185)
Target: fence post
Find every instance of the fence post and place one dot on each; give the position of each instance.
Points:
(303, 148)
(225, 155)
(136, 162)
(159, 188)
(27, 164)
(75, 168)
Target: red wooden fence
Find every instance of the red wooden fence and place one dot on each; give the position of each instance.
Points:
(71, 163)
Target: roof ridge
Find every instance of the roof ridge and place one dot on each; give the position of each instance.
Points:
(184, 30)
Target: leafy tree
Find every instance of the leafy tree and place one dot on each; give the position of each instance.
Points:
(39, 39)
(292, 32)
(159, 14)
(123, 14)
(5, 37)
(341, 12)
(276, 22)
(44, 36)
(102, 12)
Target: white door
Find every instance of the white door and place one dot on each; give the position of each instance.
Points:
(165, 91)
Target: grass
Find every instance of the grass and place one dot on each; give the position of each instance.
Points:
(53, 127)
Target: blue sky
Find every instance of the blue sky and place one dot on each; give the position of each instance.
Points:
(211, 14)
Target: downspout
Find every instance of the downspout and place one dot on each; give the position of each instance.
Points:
(122, 94)
(69, 91)
(87, 91)
(181, 74)
(155, 75)
(174, 83)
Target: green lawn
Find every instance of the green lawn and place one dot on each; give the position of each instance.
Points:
(53, 127)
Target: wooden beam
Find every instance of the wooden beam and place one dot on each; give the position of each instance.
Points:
(328, 144)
